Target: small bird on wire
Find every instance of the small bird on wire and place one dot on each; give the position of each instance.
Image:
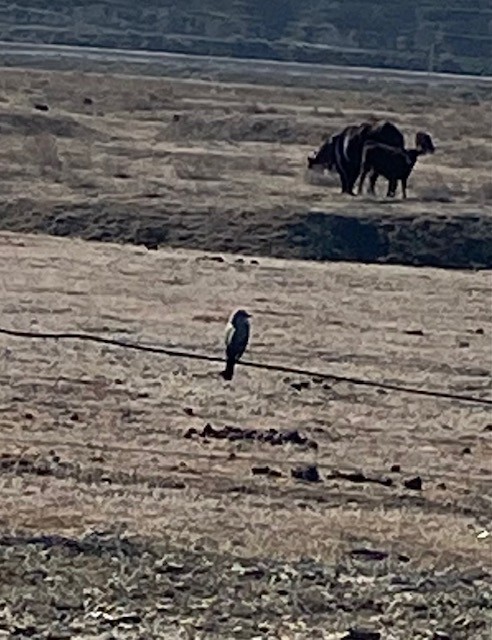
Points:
(236, 340)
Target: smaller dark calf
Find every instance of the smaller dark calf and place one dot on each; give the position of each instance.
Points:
(392, 163)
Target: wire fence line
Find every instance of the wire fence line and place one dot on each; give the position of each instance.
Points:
(177, 353)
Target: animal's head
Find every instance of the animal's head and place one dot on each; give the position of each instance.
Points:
(324, 158)
(312, 160)
(240, 316)
(423, 142)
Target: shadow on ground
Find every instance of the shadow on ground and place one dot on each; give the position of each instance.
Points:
(458, 241)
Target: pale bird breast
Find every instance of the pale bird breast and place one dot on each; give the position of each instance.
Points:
(229, 332)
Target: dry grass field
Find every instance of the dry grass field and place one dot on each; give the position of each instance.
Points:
(122, 514)
(117, 525)
(221, 166)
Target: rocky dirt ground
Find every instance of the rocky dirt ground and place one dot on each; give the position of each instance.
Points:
(205, 164)
(123, 515)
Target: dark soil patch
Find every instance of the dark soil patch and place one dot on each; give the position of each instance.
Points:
(463, 241)
(54, 467)
(272, 436)
(35, 123)
(359, 478)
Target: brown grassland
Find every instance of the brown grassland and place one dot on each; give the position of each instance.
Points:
(113, 523)
(222, 166)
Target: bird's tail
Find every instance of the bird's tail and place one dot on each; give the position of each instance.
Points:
(229, 369)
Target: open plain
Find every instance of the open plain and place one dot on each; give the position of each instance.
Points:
(122, 514)
(204, 164)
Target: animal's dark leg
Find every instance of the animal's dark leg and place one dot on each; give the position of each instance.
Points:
(363, 175)
(341, 164)
(350, 187)
(392, 188)
(354, 174)
(404, 187)
(372, 182)
(342, 179)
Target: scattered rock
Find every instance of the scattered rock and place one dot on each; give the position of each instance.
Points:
(414, 332)
(395, 468)
(479, 331)
(272, 436)
(359, 633)
(441, 635)
(463, 344)
(488, 428)
(40, 106)
(474, 574)
(174, 568)
(176, 117)
(127, 618)
(122, 175)
(359, 477)
(466, 451)
(189, 411)
(24, 632)
(266, 471)
(442, 486)
(212, 258)
(74, 417)
(375, 554)
(88, 101)
(239, 261)
(254, 262)
(28, 415)
(415, 484)
(309, 473)
(299, 386)
(369, 554)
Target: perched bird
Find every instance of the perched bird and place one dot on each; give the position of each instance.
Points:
(236, 340)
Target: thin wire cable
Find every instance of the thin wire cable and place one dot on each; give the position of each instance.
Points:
(176, 353)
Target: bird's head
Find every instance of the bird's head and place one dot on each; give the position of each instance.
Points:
(241, 313)
(240, 316)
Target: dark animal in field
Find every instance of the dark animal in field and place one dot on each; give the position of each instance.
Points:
(392, 163)
(343, 151)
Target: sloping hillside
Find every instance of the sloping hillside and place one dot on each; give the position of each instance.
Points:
(418, 35)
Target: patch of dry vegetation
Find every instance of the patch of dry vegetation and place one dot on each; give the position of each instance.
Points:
(93, 440)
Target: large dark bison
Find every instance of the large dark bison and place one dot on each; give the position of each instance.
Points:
(343, 151)
(392, 163)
